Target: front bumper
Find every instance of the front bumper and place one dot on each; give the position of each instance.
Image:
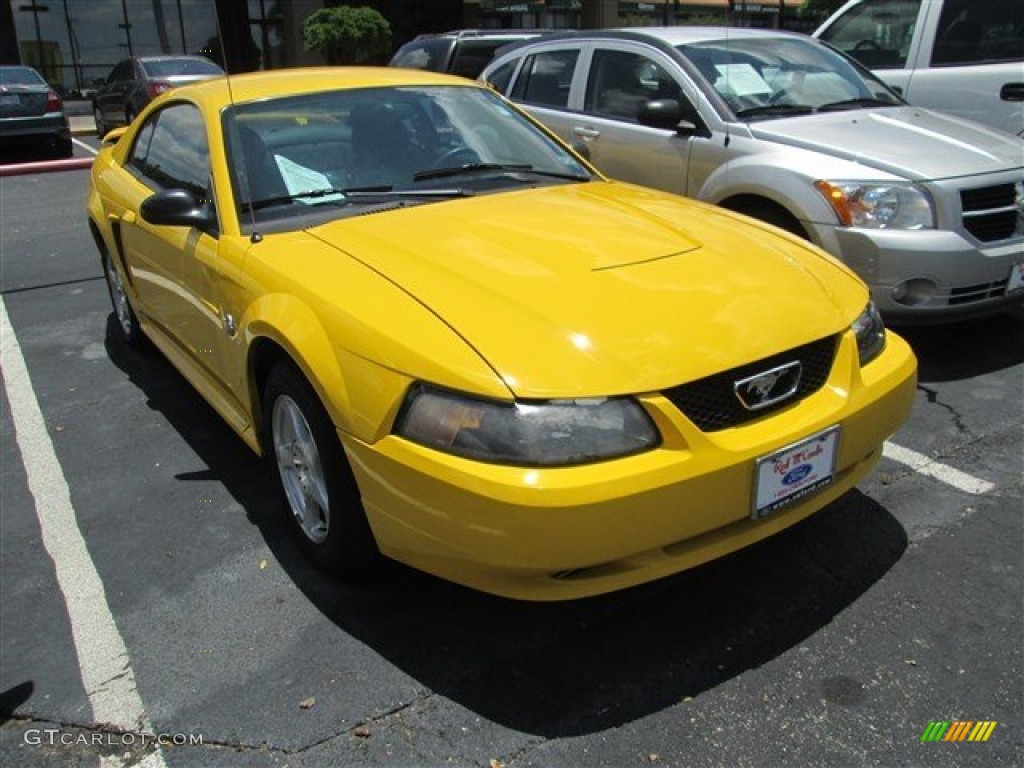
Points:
(562, 533)
(954, 276)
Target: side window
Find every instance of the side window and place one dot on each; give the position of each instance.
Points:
(501, 77)
(973, 32)
(621, 81)
(545, 78)
(121, 72)
(877, 33)
(171, 151)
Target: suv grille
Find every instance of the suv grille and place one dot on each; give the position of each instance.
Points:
(990, 213)
(711, 402)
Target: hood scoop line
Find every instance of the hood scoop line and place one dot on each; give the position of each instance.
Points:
(606, 267)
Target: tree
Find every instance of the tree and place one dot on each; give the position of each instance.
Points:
(346, 35)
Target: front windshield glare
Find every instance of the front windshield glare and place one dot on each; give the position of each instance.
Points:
(340, 150)
(774, 77)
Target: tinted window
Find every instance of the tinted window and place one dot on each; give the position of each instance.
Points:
(20, 76)
(973, 32)
(171, 150)
(545, 78)
(500, 77)
(430, 53)
(471, 56)
(621, 81)
(877, 33)
(122, 71)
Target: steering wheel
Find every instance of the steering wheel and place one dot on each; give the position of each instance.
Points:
(866, 44)
(456, 157)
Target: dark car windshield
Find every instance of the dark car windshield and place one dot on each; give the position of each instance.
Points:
(20, 76)
(768, 77)
(341, 152)
(171, 67)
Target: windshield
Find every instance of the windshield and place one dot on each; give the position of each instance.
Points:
(342, 151)
(762, 78)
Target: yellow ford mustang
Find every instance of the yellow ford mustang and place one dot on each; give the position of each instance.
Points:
(462, 347)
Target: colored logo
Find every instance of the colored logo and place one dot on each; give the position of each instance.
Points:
(796, 475)
(958, 730)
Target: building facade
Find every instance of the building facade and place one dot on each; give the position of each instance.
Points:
(76, 43)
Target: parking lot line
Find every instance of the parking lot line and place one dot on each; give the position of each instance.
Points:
(103, 660)
(84, 146)
(926, 465)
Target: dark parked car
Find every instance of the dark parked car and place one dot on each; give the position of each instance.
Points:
(31, 113)
(465, 52)
(135, 82)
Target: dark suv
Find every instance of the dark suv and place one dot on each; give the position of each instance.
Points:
(465, 52)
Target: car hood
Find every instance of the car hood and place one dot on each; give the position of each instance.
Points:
(913, 143)
(604, 288)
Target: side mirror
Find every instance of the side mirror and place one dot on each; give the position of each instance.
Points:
(177, 208)
(581, 149)
(672, 115)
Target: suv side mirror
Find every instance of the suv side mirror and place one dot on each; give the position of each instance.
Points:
(177, 208)
(672, 115)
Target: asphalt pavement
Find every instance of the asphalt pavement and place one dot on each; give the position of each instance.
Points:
(836, 643)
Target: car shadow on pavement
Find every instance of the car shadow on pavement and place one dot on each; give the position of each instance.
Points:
(969, 348)
(570, 668)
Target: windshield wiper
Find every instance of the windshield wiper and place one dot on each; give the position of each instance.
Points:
(853, 103)
(775, 109)
(438, 173)
(353, 195)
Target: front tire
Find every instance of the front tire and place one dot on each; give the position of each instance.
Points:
(321, 496)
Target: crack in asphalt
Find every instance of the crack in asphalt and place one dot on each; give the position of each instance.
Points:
(46, 286)
(932, 396)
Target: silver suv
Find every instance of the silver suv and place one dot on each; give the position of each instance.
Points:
(927, 208)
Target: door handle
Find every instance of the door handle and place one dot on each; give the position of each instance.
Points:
(587, 134)
(1012, 92)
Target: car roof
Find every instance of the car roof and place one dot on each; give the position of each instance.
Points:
(670, 35)
(286, 82)
(173, 57)
(496, 34)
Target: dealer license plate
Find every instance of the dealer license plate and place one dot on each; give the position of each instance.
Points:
(795, 472)
(1016, 281)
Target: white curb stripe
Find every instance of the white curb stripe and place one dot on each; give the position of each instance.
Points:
(103, 659)
(926, 465)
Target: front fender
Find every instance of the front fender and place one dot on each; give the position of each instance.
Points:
(295, 328)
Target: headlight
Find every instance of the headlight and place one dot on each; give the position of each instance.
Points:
(878, 206)
(543, 433)
(870, 331)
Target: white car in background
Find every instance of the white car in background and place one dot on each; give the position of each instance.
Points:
(965, 57)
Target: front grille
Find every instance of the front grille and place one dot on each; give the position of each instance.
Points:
(990, 212)
(711, 402)
(972, 293)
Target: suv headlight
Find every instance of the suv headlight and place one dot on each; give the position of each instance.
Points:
(870, 332)
(535, 433)
(878, 206)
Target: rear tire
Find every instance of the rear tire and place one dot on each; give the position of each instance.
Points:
(127, 323)
(321, 496)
